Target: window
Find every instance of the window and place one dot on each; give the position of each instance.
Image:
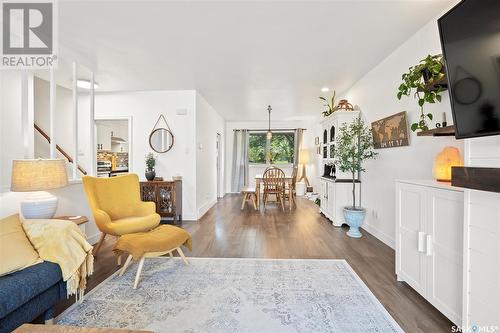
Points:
(278, 150)
(257, 147)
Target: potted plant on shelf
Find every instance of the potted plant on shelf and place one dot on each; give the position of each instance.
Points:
(428, 81)
(150, 167)
(354, 146)
(331, 105)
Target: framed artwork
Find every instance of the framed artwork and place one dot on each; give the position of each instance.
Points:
(391, 131)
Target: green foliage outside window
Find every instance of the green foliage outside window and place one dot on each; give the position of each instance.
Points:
(280, 149)
(257, 148)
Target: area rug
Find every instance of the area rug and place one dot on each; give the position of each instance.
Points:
(234, 295)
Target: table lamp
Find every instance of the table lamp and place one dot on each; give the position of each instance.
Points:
(304, 160)
(448, 157)
(37, 176)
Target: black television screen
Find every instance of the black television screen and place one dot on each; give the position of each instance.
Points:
(470, 38)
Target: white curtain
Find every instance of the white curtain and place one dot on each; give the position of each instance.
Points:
(240, 160)
(299, 132)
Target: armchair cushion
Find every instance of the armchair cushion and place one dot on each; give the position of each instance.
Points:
(117, 196)
(130, 225)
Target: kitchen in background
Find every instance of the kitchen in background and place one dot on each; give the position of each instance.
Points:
(112, 147)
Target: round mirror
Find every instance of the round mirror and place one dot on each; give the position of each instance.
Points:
(161, 140)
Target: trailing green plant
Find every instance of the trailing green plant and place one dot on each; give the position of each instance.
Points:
(421, 79)
(317, 201)
(150, 162)
(330, 104)
(354, 146)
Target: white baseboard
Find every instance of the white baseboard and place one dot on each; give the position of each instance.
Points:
(385, 238)
(204, 208)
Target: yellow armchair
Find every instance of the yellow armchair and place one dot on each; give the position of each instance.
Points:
(117, 206)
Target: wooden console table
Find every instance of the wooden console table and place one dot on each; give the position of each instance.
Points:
(167, 195)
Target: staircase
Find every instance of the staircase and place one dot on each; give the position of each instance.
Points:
(59, 149)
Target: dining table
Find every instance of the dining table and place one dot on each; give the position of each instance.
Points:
(259, 179)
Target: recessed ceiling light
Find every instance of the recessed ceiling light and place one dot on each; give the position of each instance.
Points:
(85, 84)
(325, 89)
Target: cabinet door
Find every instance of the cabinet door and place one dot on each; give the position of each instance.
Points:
(324, 196)
(332, 188)
(444, 252)
(104, 137)
(410, 235)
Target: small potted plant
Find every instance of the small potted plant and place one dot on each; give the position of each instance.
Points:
(150, 167)
(331, 105)
(428, 81)
(354, 145)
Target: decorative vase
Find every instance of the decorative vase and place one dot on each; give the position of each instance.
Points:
(354, 217)
(150, 174)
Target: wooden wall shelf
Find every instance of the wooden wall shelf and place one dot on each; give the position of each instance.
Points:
(441, 131)
(484, 179)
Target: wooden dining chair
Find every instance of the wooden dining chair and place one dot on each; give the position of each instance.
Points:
(274, 184)
(290, 193)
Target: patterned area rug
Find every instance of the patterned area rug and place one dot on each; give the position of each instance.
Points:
(234, 295)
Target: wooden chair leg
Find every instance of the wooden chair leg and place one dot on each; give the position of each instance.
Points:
(171, 254)
(254, 201)
(182, 255)
(119, 260)
(99, 244)
(127, 262)
(138, 275)
(282, 199)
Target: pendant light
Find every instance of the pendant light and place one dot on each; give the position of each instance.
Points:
(269, 133)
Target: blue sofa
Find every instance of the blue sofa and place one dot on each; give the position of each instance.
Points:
(29, 293)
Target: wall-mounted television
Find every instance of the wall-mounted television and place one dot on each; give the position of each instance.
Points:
(470, 38)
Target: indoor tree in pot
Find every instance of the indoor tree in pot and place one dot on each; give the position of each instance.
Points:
(150, 167)
(354, 145)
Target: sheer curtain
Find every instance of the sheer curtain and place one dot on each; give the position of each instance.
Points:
(240, 160)
(299, 132)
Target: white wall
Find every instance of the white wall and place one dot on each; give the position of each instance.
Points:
(208, 124)
(145, 107)
(375, 94)
(312, 129)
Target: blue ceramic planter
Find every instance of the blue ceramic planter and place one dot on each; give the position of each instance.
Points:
(354, 218)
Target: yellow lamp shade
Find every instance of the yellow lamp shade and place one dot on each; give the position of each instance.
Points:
(38, 175)
(448, 157)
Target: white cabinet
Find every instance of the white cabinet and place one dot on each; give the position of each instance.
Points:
(429, 238)
(103, 137)
(330, 127)
(334, 196)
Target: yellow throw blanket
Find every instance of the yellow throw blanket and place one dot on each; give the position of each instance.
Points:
(63, 243)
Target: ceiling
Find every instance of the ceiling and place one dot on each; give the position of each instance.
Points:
(240, 55)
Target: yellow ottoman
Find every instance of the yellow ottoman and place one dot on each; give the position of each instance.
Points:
(157, 242)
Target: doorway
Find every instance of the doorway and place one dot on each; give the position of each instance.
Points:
(112, 146)
(219, 179)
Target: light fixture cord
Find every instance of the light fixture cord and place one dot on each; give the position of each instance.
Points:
(269, 110)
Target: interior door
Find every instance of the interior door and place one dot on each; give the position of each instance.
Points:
(410, 237)
(218, 165)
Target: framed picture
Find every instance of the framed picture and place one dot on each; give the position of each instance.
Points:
(391, 131)
(316, 140)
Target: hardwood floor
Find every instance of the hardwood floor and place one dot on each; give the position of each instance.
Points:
(226, 231)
